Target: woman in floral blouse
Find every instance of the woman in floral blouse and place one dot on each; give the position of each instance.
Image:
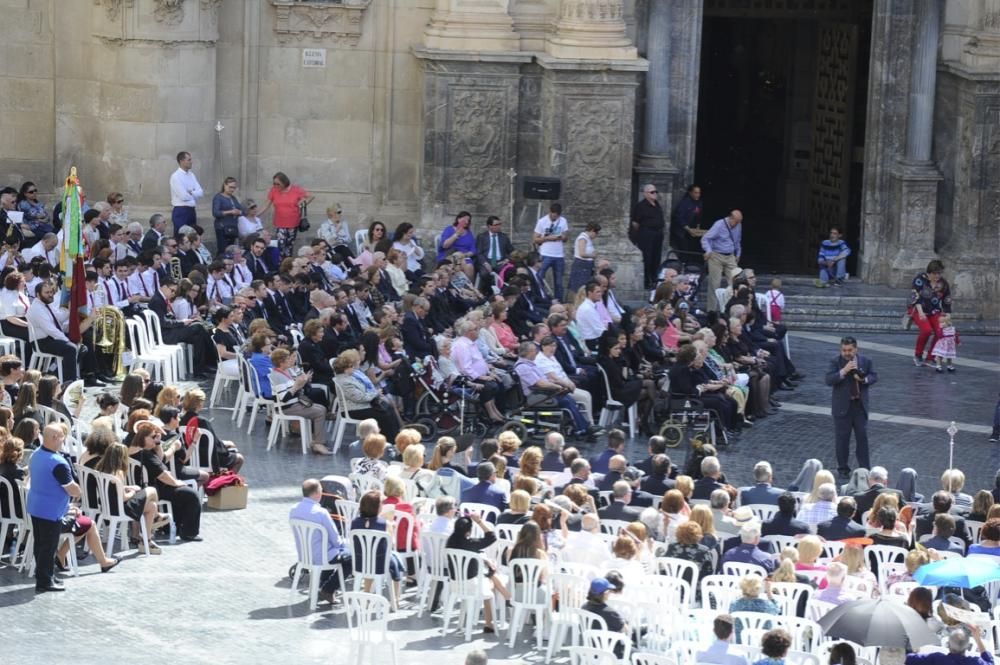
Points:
(688, 547)
(931, 296)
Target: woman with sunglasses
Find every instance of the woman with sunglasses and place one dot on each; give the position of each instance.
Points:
(287, 200)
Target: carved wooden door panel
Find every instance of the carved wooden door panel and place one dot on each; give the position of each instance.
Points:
(833, 108)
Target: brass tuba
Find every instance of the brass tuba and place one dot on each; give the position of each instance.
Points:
(109, 336)
(175, 268)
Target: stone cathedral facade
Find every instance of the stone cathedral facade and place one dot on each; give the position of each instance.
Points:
(881, 116)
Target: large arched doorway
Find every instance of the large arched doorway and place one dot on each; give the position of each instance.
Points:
(781, 124)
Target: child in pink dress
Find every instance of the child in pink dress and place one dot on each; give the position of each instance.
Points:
(945, 346)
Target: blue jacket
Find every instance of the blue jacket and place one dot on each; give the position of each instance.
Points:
(829, 250)
(762, 493)
(744, 553)
(46, 497)
(483, 492)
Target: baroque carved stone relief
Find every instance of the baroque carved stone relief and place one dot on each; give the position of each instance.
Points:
(113, 8)
(326, 22)
(170, 12)
(475, 152)
(593, 139)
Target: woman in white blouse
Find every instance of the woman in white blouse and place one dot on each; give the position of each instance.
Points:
(335, 232)
(583, 257)
(183, 303)
(13, 307)
(395, 267)
(403, 240)
(250, 222)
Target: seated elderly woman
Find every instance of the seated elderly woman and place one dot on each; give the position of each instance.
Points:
(750, 600)
(403, 515)
(278, 382)
(774, 646)
(834, 591)
(719, 502)
(688, 379)
(663, 521)
(224, 454)
(520, 504)
(810, 548)
(688, 547)
(362, 399)
(413, 468)
(372, 464)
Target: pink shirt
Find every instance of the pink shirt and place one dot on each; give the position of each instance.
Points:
(286, 206)
(670, 336)
(505, 336)
(602, 311)
(467, 357)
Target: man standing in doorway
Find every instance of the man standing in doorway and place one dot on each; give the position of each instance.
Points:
(550, 234)
(184, 194)
(850, 374)
(723, 246)
(646, 232)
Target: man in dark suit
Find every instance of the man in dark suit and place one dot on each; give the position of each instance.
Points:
(492, 245)
(484, 491)
(850, 374)
(279, 309)
(619, 508)
(784, 523)
(579, 367)
(941, 503)
(657, 481)
(417, 340)
(843, 525)
(878, 481)
(616, 447)
(539, 293)
(180, 332)
(153, 237)
(943, 537)
(256, 261)
(763, 492)
(711, 471)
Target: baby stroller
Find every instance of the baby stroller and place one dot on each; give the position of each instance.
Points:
(334, 488)
(453, 407)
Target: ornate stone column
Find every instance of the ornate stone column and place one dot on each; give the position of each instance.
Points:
(471, 25)
(656, 164)
(591, 29)
(917, 177)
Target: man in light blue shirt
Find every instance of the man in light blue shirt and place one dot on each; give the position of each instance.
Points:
(721, 651)
(310, 510)
(723, 245)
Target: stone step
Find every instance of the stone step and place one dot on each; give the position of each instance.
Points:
(845, 310)
(883, 326)
(826, 300)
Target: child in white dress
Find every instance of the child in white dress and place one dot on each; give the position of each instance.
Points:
(946, 345)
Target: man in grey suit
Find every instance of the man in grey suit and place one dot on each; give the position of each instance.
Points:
(850, 374)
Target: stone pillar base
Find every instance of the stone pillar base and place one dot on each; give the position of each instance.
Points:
(472, 31)
(915, 186)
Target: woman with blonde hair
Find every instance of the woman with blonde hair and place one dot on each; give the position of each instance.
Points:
(413, 468)
(395, 495)
(853, 557)
(406, 438)
(822, 476)
(809, 548)
(509, 444)
(169, 396)
(702, 516)
(685, 485)
(224, 454)
(751, 587)
(520, 504)
(885, 500)
(372, 465)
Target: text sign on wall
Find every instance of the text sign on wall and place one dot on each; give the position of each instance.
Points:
(314, 57)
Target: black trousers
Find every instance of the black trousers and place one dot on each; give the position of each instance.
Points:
(651, 246)
(328, 580)
(198, 337)
(856, 420)
(67, 351)
(388, 423)
(46, 537)
(186, 505)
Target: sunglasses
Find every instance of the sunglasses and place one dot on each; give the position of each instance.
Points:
(119, 200)
(31, 191)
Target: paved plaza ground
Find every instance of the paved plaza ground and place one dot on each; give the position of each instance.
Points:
(226, 600)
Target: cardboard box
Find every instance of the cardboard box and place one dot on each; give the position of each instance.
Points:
(232, 497)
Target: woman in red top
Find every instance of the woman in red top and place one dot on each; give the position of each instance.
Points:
(395, 491)
(287, 200)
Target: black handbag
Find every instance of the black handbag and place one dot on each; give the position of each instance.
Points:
(303, 219)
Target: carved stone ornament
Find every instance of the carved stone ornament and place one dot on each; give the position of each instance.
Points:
(113, 8)
(327, 22)
(170, 12)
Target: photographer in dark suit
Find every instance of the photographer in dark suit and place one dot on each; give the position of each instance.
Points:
(850, 374)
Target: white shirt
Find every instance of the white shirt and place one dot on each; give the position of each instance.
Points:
(586, 547)
(13, 303)
(720, 653)
(589, 321)
(241, 275)
(117, 292)
(247, 225)
(546, 227)
(38, 249)
(219, 289)
(96, 298)
(414, 254)
(118, 251)
(588, 247)
(144, 283)
(184, 188)
(183, 309)
(548, 365)
(48, 321)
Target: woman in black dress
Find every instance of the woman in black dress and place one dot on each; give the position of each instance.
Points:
(50, 395)
(461, 539)
(228, 339)
(176, 452)
(224, 454)
(311, 353)
(186, 504)
(138, 503)
(625, 387)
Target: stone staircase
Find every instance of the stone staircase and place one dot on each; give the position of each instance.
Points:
(857, 306)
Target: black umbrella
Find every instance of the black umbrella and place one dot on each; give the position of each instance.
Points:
(878, 623)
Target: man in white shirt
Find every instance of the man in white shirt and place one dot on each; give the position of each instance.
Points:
(45, 248)
(586, 545)
(549, 366)
(720, 651)
(550, 234)
(144, 281)
(49, 324)
(219, 290)
(184, 194)
(445, 509)
(118, 292)
(588, 320)
(236, 268)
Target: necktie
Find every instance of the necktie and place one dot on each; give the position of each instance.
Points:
(90, 301)
(142, 281)
(288, 310)
(541, 285)
(121, 290)
(24, 301)
(494, 248)
(569, 352)
(170, 307)
(215, 289)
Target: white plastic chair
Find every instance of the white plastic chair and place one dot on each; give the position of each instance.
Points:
(137, 472)
(879, 555)
(433, 569)
(360, 238)
(343, 418)
(41, 360)
(751, 625)
(464, 588)
(763, 511)
(113, 513)
(253, 397)
(222, 381)
(973, 528)
(720, 297)
(572, 592)
(160, 364)
(90, 503)
(800, 658)
(859, 587)
(364, 482)
(607, 641)
(368, 623)
(405, 524)
(181, 354)
(613, 527)
(591, 656)
(509, 531)
(306, 533)
(9, 519)
(662, 590)
(348, 510)
(644, 658)
(774, 544)
(13, 346)
(366, 545)
(806, 633)
(817, 609)
(527, 596)
(718, 591)
(788, 595)
(832, 549)
(487, 512)
(679, 568)
(280, 422)
(742, 569)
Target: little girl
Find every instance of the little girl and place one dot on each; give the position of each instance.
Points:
(944, 347)
(776, 301)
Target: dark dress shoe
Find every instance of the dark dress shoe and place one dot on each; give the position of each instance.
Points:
(192, 539)
(775, 403)
(93, 382)
(798, 376)
(52, 586)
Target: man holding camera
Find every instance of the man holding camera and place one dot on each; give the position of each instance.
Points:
(850, 374)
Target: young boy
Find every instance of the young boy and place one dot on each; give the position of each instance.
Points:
(833, 255)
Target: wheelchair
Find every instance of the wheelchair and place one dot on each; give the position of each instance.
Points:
(688, 418)
(537, 415)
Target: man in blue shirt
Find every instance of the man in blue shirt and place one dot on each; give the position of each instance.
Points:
(747, 551)
(832, 259)
(484, 491)
(310, 510)
(720, 652)
(723, 246)
(52, 485)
